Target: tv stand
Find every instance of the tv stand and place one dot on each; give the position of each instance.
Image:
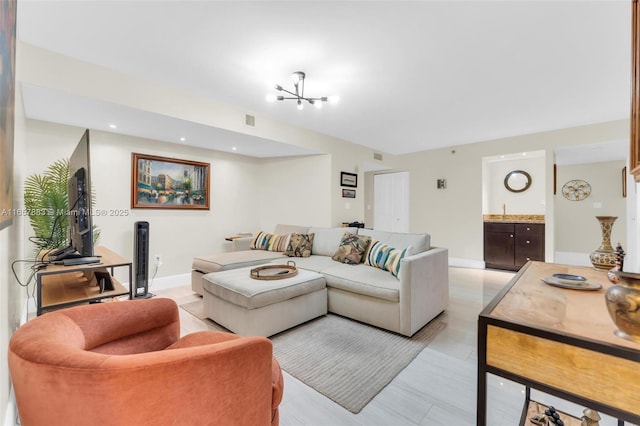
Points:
(59, 286)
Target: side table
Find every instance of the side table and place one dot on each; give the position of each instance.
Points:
(559, 341)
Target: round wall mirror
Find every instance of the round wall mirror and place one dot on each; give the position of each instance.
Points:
(517, 181)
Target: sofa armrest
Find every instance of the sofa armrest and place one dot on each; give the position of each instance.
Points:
(424, 288)
(239, 244)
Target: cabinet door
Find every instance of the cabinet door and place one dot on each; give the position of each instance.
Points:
(499, 249)
(529, 244)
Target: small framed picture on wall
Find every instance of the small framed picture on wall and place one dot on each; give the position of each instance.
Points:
(348, 193)
(349, 179)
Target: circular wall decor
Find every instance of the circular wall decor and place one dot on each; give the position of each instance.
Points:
(517, 181)
(576, 190)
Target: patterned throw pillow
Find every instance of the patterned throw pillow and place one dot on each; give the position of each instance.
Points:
(384, 257)
(270, 242)
(300, 245)
(351, 248)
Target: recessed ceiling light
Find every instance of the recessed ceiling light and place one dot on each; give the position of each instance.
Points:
(182, 139)
(233, 148)
(113, 126)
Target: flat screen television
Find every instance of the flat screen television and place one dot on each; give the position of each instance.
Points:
(79, 199)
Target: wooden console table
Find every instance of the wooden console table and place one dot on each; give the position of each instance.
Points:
(58, 286)
(559, 341)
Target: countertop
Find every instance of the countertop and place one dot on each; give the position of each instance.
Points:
(514, 218)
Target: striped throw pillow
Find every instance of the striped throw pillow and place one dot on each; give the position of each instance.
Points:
(270, 242)
(384, 257)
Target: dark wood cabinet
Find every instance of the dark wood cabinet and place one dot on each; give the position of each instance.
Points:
(511, 245)
(499, 244)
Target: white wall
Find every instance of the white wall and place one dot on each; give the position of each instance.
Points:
(5, 329)
(531, 201)
(237, 187)
(577, 230)
(453, 216)
(12, 296)
(294, 191)
(58, 72)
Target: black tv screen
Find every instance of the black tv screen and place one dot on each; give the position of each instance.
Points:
(79, 199)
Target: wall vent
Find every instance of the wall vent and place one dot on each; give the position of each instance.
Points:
(377, 156)
(250, 120)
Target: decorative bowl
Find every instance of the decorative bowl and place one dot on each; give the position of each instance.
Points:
(570, 279)
(623, 304)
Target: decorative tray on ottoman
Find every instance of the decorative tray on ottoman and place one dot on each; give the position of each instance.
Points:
(275, 272)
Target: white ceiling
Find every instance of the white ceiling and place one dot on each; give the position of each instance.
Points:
(411, 75)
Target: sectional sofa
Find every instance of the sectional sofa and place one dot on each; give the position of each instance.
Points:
(402, 300)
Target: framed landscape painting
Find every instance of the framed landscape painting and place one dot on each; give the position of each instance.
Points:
(169, 183)
(7, 98)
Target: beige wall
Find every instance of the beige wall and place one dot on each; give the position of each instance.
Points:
(453, 216)
(177, 235)
(47, 69)
(577, 230)
(294, 191)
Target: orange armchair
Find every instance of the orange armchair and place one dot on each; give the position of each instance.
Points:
(124, 363)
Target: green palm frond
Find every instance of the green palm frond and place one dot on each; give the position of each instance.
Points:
(45, 198)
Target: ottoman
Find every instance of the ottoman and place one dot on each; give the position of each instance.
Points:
(252, 307)
(230, 260)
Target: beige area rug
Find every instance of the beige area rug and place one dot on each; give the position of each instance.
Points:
(347, 361)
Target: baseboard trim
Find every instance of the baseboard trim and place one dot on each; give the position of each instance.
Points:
(171, 281)
(466, 263)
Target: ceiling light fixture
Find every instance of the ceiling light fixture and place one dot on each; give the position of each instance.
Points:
(298, 96)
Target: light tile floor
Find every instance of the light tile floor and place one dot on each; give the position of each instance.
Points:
(437, 388)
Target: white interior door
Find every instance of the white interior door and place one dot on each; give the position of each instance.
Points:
(391, 202)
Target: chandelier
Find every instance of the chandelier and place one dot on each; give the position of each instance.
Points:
(298, 96)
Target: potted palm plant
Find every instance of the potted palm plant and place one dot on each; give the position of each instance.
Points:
(45, 200)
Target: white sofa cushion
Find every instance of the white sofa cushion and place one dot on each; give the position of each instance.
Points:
(363, 279)
(235, 259)
(359, 279)
(327, 240)
(399, 240)
(311, 263)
